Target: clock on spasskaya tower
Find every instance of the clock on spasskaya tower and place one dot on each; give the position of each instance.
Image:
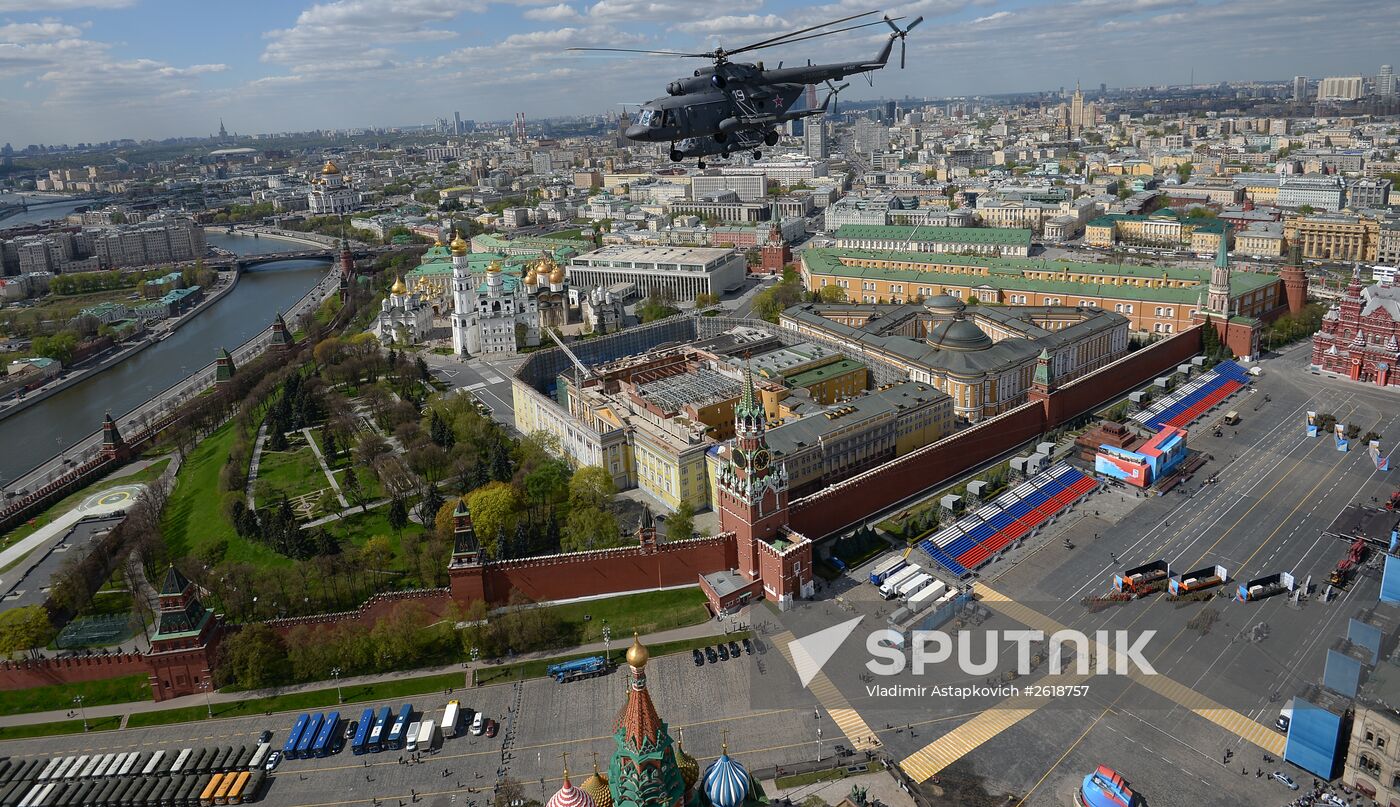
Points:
(753, 484)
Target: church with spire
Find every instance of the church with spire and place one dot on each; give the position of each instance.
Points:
(649, 768)
(1360, 336)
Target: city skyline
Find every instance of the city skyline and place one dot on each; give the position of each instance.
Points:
(94, 70)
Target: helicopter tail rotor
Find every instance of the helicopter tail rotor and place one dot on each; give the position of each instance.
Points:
(833, 93)
(900, 34)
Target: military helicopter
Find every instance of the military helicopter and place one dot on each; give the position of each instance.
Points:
(737, 104)
(741, 140)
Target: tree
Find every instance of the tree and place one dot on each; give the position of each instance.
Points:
(590, 528)
(658, 305)
(706, 299)
(495, 508)
(831, 294)
(398, 515)
(1183, 171)
(1306, 210)
(24, 628)
(681, 524)
(378, 552)
(61, 347)
(253, 658)
(591, 486)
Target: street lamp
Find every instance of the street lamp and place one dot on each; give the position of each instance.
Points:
(607, 642)
(335, 673)
(208, 687)
(819, 743)
(78, 699)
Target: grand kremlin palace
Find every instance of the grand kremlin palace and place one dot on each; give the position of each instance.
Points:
(1154, 299)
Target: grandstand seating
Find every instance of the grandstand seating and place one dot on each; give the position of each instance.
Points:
(978, 537)
(1194, 399)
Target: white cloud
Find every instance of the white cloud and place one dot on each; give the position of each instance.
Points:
(21, 32)
(329, 32)
(732, 24)
(562, 12)
(663, 10)
(135, 81)
(999, 15)
(41, 55)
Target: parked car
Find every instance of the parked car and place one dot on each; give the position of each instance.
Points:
(265, 737)
(478, 724)
(1285, 780)
(748, 647)
(758, 645)
(710, 654)
(468, 715)
(723, 651)
(734, 649)
(350, 728)
(698, 656)
(491, 727)
(272, 760)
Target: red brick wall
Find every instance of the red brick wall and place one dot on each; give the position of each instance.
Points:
(175, 675)
(608, 571)
(850, 501)
(433, 600)
(47, 671)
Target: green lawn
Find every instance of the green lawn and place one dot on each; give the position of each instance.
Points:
(359, 527)
(369, 483)
(291, 473)
(648, 612)
(109, 603)
(127, 689)
(813, 777)
(522, 670)
(143, 476)
(193, 516)
(315, 699)
(65, 727)
(341, 460)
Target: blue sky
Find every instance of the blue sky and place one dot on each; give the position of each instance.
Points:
(87, 70)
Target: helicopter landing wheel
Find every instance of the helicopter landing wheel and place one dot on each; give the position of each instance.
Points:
(770, 138)
(676, 156)
(757, 155)
(700, 164)
(720, 137)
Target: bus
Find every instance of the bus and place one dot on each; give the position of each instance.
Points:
(221, 795)
(449, 719)
(190, 790)
(251, 790)
(132, 761)
(289, 748)
(182, 760)
(395, 739)
(376, 734)
(102, 764)
(887, 568)
(240, 759)
(199, 761)
(206, 796)
(360, 743)
(324, 744)
(260, 755)
(308, 736)
(235, 791)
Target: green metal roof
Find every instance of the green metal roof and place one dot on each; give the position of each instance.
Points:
(1203, 224)
(1004, 236)
(1009, 274)
(807, 378)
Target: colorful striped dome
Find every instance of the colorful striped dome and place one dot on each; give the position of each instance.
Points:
(690, 769)
(570, 796)
(726, 782)
(596, 786)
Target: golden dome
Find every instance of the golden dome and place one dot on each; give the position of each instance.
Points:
(494, 266)
(532, 278)
(329, 168)
(459, 245)
(637, 654)
(597, 787)
(689, 767)
(557, 276)
(398, 287)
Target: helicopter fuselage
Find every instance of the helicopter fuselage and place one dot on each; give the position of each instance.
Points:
(731, 97)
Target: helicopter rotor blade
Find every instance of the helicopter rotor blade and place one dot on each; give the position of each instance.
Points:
(809, 36)
(916, 21)
(652, 52)
(774, 40)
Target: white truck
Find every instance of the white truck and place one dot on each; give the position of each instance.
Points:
(925, 596)
(914, 584)
(890, 587)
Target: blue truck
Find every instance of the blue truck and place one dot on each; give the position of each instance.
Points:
(576, 669)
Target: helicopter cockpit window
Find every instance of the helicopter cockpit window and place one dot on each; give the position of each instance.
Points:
(668, 118)
(646, 117)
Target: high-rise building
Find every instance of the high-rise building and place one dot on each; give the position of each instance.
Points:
(815, 140)
(870, 136)
(1076, 110)
(457, 123)
(1339, 88)
(1385, 81)
(889, 112)
(1300, 88)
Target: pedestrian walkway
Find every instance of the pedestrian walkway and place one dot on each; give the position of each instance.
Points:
(111, 500)
(325, 469)
(709, 628)
(860, 735)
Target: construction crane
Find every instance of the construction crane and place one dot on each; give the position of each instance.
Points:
(581, 370)
(1349, 564)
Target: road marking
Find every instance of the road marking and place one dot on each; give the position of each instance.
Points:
(850, 722)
